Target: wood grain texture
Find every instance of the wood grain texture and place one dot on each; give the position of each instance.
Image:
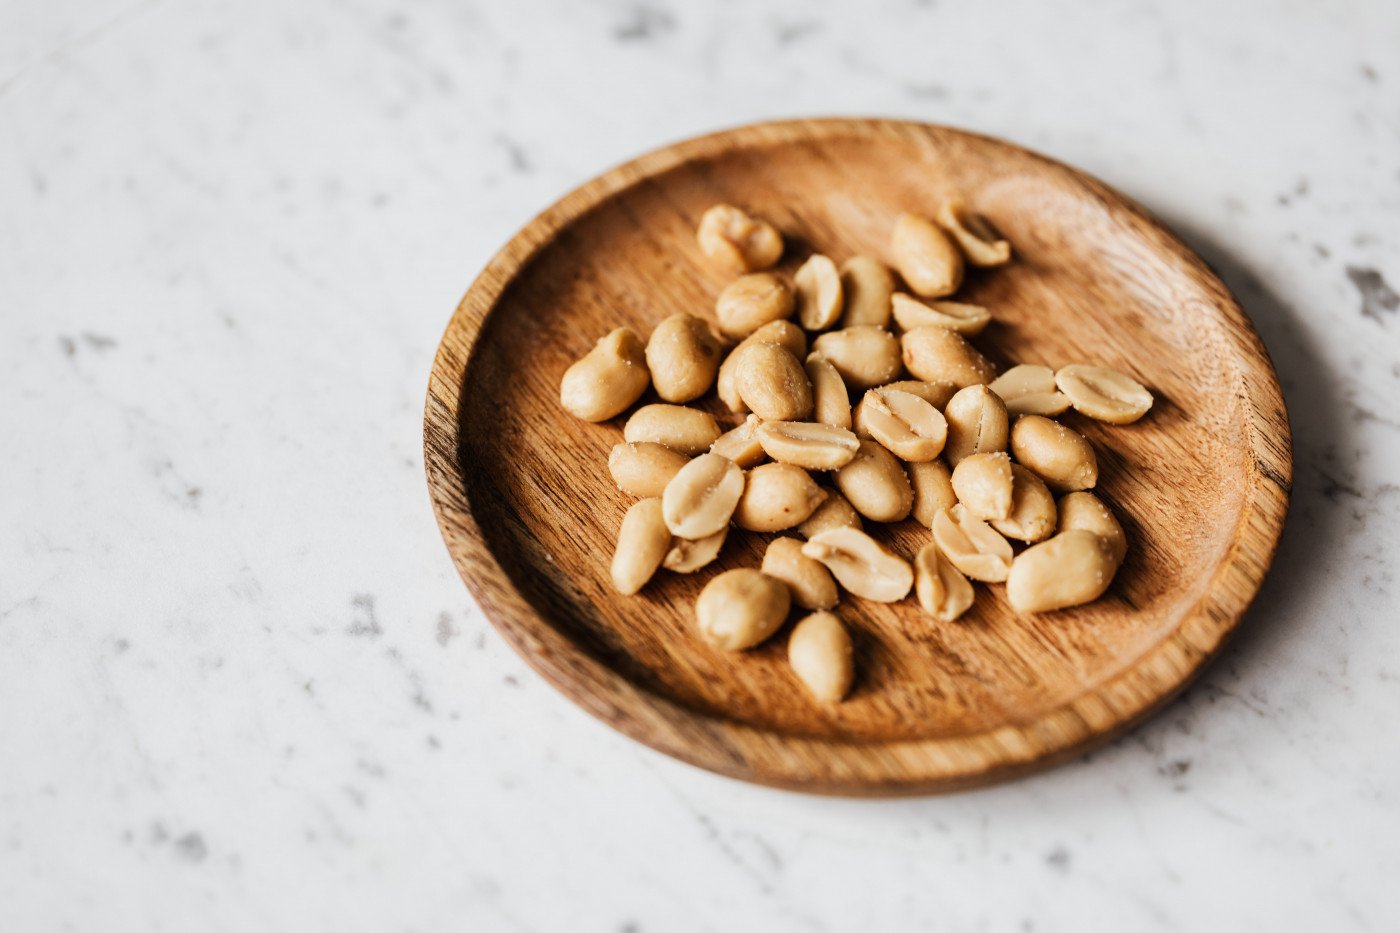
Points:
(529, 512)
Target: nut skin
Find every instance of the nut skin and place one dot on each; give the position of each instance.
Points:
(819, 652)
(819, 293)
(864, 566)
(1084, 511)
(868, 285)
(810, 583)
(772, 383)
(784, 333)
(866, 356)
(608, 379)
(1072, 568)
(688, 430)
(1104, 394)
(875, 484)
(737, 242)
(642, 543)
(936, 354)
(683, 356)
(942, 590)
(739, 609)
(701, 498)
(644, 468)
(926, 257)
(751, 301)
(1060, 456)
(1032, 514)
(777, 496)
(831, 403)
(977, 424)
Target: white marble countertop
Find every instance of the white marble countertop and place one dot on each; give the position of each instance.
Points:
(241, 687)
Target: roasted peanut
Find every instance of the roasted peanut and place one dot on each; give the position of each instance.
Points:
(971, 545)
(943, 591)
(741, 444)
(608, 379)
(835, 512)
(819, 294)
(784, 333)
(1084, 511)
(925, 256)
(689, 556)
(809, 581)
(1030, 390)
(642, 543)
(700, 499)
(936, 394)
(683, 356)
(936, 354)
(866, 356)
(777, 496)
(965, 319)
(975, 237)
(772, 383)
(734, 241)
(933, 490)
(1055, 453)
(867, 284)
(831, 404)
(905, 424)
(875, 484)
(1032, 514)
(740, 608)
(644, 468)
(1070, 569)
(983, 485)
(750, 301)
(861, 564)
(1104, 394)
(688, 430)
(977, 424)
(810, 445)
(819, 650)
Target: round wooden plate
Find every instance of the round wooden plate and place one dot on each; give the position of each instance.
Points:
(529, 512)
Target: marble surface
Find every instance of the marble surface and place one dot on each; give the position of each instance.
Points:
(241, 687)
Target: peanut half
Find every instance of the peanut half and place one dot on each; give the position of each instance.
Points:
(688, 430)
(701, 498)
(734, 241)
(777, 496)
(1029, 389)
(608, 379)
(819, 650)
(861, 564)
(936, 394)
(741, 444)
(835, 512)
(936, 354)
(831, 403)
(689, 556)
(810, 445)
(750, 301)
(683, 356)
(819, 294)
(876, 484)
(977, 424)
(642, 543)
(644, 468)
(1104, 394)
(1070, 569)
(1058, 455)
(866, 356)
(740, 608)
(925, 256)
(904, 423)
(975, 237)
(868, 285)
(810, 583)
(972, 545)
(943, 591)
(1032, 514)
(965, 319)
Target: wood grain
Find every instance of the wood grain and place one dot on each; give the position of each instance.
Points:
(528, 511)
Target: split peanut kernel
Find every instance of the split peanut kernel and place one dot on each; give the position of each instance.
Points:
(831, 403)
(819, 651)
(861, 564)
(608, 379)
(1104, 394)
(819, 294)
(936, 394)
(700, 499)
(689, 556)
(642, 543)
(810, 445)
(1032, 514)
(741, 444)
(835, 512)
(1030, 390)
(971, 545)
(943, 591)
(904, 423)
(868, 285)
(956, 316)
(975, 237)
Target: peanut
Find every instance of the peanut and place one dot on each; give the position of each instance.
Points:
(983, 485)
(835, 512)
(965, 319)
(740, 608)
(701, 498)
(1083, 511)
(1070, 569)
(819, 651)
(741, 444)
(642, 542)
(810, 583)
(867, 284)
(777, 496)
(861, 564)
(608, 379)
(736, 242)
(831, 404)
(1058, 455)
(925, 256)
(975, 237)
(933, 490)
(812, 446)
(644, 468)
(943, 591)
(819, 294)
(689, 556)
(772, 383)
(1030, 390)
(875, 484)
(904, 423)
(936, 354)
(750, 301)
(1032, 514)
(977, 424)
(1104, 394)
(784, 333)
(688, 430)
(683, 356)
(866, 356)
(971, 545)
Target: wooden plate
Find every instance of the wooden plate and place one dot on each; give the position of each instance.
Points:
(528, 510)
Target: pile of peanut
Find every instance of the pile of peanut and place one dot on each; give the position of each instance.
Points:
(971, 455)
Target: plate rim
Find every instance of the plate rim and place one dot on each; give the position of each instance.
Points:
(852, 767)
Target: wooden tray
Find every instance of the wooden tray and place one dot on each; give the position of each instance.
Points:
(528, 510)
